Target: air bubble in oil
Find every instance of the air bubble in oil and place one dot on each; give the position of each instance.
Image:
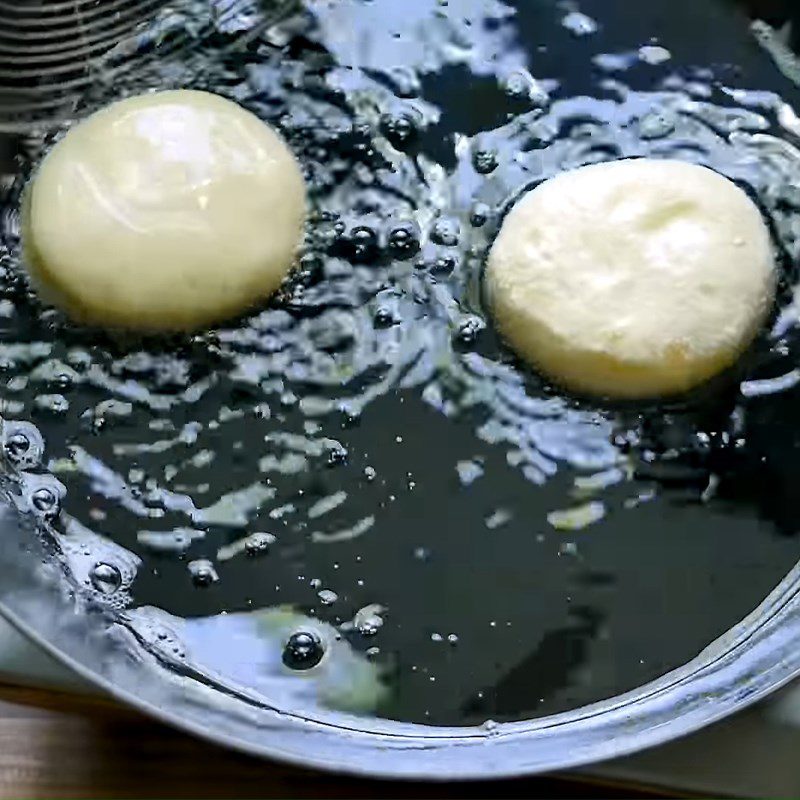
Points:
(384, 316)
(479, 215)
(303, 650)
(484, 161)
(16, 445)
(443, 264)
(469, 329)
(363, 244)
(45, 501)
(258, 543)
(337, 456)
(445, 232)
(105, 578)
(399, 129)
(23, 445)
(327, 597)
(403, 241)
(203, 572)
(310, 268)
(368, 620)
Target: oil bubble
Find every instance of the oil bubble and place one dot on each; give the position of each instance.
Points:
(385, 316)
(337, 456)
(203, 572)
(445, 232)
(22, 444)
(45, 501)
(443, 264)
(327, 597)
(303, 650)
(469, 329)
(403, 241)
(368, 620)
(258, 543)
(105, 578)
(484, 161)
(363, 244)
(479, 215)
(399, 129)
(16, 446)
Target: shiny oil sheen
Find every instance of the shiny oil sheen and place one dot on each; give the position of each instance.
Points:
(362, 467)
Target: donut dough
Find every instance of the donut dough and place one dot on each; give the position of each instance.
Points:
(632, 279)
(166, 211)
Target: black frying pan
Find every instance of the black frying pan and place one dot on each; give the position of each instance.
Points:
(333, 532)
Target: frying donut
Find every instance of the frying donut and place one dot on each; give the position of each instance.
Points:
(632, 279)
(166, 211)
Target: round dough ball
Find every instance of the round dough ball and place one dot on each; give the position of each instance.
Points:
(632, 279)
(167, 211)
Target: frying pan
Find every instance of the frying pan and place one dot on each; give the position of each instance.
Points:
(677, 610)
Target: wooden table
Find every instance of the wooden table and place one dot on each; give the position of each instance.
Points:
(57, 745)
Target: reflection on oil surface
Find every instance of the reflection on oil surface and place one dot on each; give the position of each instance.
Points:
(361, 473)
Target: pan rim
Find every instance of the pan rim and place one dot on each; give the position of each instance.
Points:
(754, 658)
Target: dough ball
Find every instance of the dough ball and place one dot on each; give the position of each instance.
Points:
(632, 279)
(167, 211)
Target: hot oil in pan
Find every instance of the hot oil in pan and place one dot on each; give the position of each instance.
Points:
(361, 472)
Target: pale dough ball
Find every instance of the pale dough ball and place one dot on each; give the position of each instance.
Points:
(633, 278)
(167, 211)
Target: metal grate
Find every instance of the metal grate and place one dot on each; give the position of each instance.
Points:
(53, 51)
